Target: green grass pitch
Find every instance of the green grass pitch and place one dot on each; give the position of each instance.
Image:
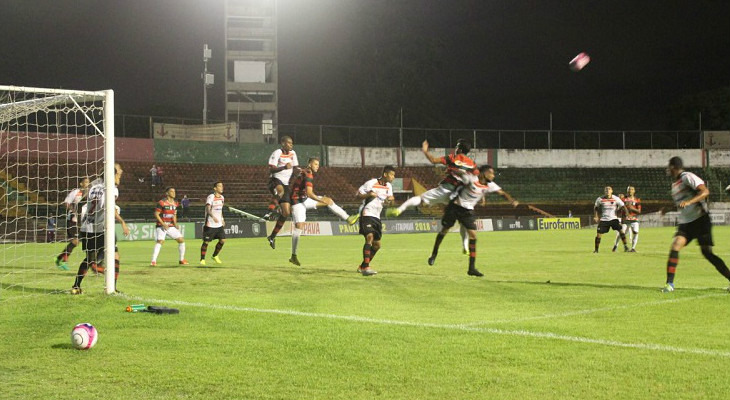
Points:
(549, 320)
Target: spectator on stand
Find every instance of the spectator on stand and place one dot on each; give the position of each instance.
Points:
(185, 203)
(153, 175)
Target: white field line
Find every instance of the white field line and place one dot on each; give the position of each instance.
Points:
(459, 327)
(593, 310)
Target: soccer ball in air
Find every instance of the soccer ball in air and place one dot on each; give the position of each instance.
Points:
(580, 61)
(84, 336)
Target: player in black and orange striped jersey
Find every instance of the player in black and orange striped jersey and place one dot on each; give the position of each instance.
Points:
(303, 199)
(166, 216)
(446, 190)
(630, 219)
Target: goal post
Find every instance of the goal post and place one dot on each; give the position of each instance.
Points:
(50, 140)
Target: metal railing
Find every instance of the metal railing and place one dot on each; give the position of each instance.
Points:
(140, 126)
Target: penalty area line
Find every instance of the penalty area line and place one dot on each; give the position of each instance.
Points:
(456, 327)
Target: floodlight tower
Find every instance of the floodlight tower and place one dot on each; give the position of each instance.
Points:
(207, 81)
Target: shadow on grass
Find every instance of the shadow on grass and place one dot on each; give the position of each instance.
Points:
(64, 346)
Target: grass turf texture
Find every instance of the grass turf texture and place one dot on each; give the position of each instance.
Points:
(259, 327)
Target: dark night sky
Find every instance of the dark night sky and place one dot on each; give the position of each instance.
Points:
(502, 64)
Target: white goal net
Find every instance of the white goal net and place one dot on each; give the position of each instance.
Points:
(51, 141)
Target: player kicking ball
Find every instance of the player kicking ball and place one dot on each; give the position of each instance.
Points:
(462, 209)
(303, 199)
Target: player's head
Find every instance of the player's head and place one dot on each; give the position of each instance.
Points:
(676, 165)
(85, 183)
(313, 164)
(218, 187)
(630, 190)
(608, 190)
(463, 146)
(486, 172)
(286, 143)
(170, 192)
(118, 171)
(388, 173)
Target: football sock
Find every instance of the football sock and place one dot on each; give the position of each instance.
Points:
(439, 237)
(672, 265)
(295, 240)
(203, 250)
(116, 269)
(472, 253)
(338, 211)
(366, 249)
(66, 252)
(717, 262)
(373, 252)
(412, 202)
(181, 250)
(83, 268)
(218, 247)
(156, 251)
(623, 238)
(634, 240)
(464, 237)
(597, 243)
(279, 223)
(618, 237)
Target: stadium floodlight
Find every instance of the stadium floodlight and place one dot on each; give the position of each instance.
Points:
(207, 81)
(50, 139)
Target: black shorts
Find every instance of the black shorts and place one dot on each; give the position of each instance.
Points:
(700, 229)
(92, 242)
(455, 213)
(286, 196)
(370, 225)
(213, 233)
(72, 229)
(603, 226)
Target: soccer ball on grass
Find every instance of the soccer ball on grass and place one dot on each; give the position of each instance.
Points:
(84, 336)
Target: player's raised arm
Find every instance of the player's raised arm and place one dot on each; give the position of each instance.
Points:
(431, 158)
(509, 198)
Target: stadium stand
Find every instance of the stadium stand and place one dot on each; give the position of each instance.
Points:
(555, 190)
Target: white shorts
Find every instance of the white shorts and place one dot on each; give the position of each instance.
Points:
(171, 231)
(299, 211)
(633, 225)
(437, 195)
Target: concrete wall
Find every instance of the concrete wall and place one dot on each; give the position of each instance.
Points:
(597, 158)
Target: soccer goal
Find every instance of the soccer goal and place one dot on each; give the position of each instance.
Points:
(50, 140)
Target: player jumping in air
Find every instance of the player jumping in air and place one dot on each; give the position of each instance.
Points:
(72, 219)
(442, 194)
(214, 223)
(461, 208)
(303, 199)
(374, 194)
(166, 216)
(607, 206)
(630, 221)
(690, 193)
(282, 163)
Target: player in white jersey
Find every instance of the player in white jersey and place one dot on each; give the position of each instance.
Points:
(374, 194)
(214, 223)
(461, 208)
(72, 201)
(607, 205)
(690, 194)
(282, 163)
(92, 230)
